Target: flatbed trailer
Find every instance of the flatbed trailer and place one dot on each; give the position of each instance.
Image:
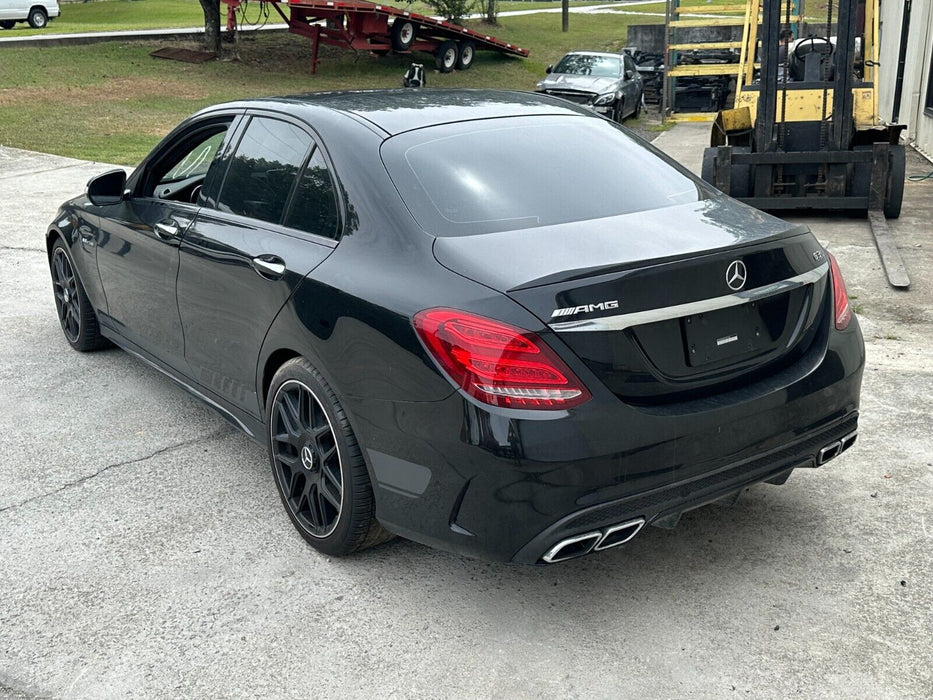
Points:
(367, 26)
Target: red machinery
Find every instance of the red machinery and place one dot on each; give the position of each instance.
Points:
(358, 24)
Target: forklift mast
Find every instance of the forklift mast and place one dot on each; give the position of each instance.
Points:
(804, 132)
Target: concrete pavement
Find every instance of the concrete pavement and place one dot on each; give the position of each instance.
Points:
(144, 551)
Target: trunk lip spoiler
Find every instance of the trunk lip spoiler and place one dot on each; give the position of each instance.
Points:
(619, 322)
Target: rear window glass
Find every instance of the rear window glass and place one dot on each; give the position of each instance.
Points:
(506, 174)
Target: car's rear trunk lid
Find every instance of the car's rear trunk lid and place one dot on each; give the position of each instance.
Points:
(645, 299)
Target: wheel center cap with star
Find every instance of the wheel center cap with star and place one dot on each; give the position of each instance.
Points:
(308, 460)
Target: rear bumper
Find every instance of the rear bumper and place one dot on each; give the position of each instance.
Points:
(510, 485)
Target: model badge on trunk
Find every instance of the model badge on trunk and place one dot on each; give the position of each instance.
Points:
(600, 306)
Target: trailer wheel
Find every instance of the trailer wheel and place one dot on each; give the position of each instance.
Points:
(446, 57)
(894, 193)
(466, 54)
(403, 34)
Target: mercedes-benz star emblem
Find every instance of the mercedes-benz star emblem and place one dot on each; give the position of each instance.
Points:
(307, 457)
(736, 274)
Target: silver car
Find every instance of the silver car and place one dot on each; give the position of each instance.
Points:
(37, 13)
(607, 83)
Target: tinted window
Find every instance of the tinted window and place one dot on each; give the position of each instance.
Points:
(263, 170)
(314, 208)
(589, 64)
(504, 174)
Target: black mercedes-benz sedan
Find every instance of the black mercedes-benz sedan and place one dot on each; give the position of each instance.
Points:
(491, 322)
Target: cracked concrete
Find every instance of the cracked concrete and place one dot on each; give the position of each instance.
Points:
(83, 479)
(178, 574)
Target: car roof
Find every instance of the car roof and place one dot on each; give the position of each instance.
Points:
(608, 54)
(396, 111)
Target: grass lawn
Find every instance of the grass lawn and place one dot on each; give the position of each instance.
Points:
(112, 102)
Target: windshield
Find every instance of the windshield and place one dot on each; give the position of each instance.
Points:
(589, 64)
(505, 174)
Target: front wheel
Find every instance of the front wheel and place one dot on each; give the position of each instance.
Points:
(75, 313)
(446, 57)
(618, 113)
(317, 463)
(37, 18)
(7, 23)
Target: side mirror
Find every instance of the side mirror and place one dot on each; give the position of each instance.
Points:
(107, 188)
(629, 74)
(549, 68)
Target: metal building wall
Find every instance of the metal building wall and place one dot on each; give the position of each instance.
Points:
(916, 70)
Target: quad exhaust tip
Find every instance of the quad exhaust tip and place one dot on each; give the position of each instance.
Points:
(834, 449)
(595, 541)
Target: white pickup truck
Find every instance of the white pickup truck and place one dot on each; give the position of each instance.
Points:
(36, 12)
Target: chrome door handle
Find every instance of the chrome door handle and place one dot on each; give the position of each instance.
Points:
(166, 230)
(269, 266)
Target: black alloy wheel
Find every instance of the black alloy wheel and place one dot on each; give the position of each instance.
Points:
(317, 463)
(79, 324)
(37, 18)
(446, 56)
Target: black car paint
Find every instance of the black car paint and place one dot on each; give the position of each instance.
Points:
(447, 470)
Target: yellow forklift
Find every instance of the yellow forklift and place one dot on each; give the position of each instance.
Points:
(804, 131)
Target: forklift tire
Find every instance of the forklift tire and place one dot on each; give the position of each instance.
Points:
(403, 34)
(708, 170)
(740, 180)
(894, 193)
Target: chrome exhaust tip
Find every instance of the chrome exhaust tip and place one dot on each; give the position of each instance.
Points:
(596, 541)
(834, 449)
(572, 547)
(619, 534)
(848, 441)
(831, 451)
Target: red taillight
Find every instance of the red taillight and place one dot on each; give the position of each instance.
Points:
(497, 363)
(843, 312)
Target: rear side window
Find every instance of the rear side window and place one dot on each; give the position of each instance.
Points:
(314, 207)
(263, 169)
(506, 174)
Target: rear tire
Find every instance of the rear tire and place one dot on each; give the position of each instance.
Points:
(446, 57)
(465, 54)
(894, 192)
(75, 313)
(403, 34)
(37, 18)
(7, 23)
(317, 463)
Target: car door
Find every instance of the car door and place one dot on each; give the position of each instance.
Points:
(138, 240)
(274, 220)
